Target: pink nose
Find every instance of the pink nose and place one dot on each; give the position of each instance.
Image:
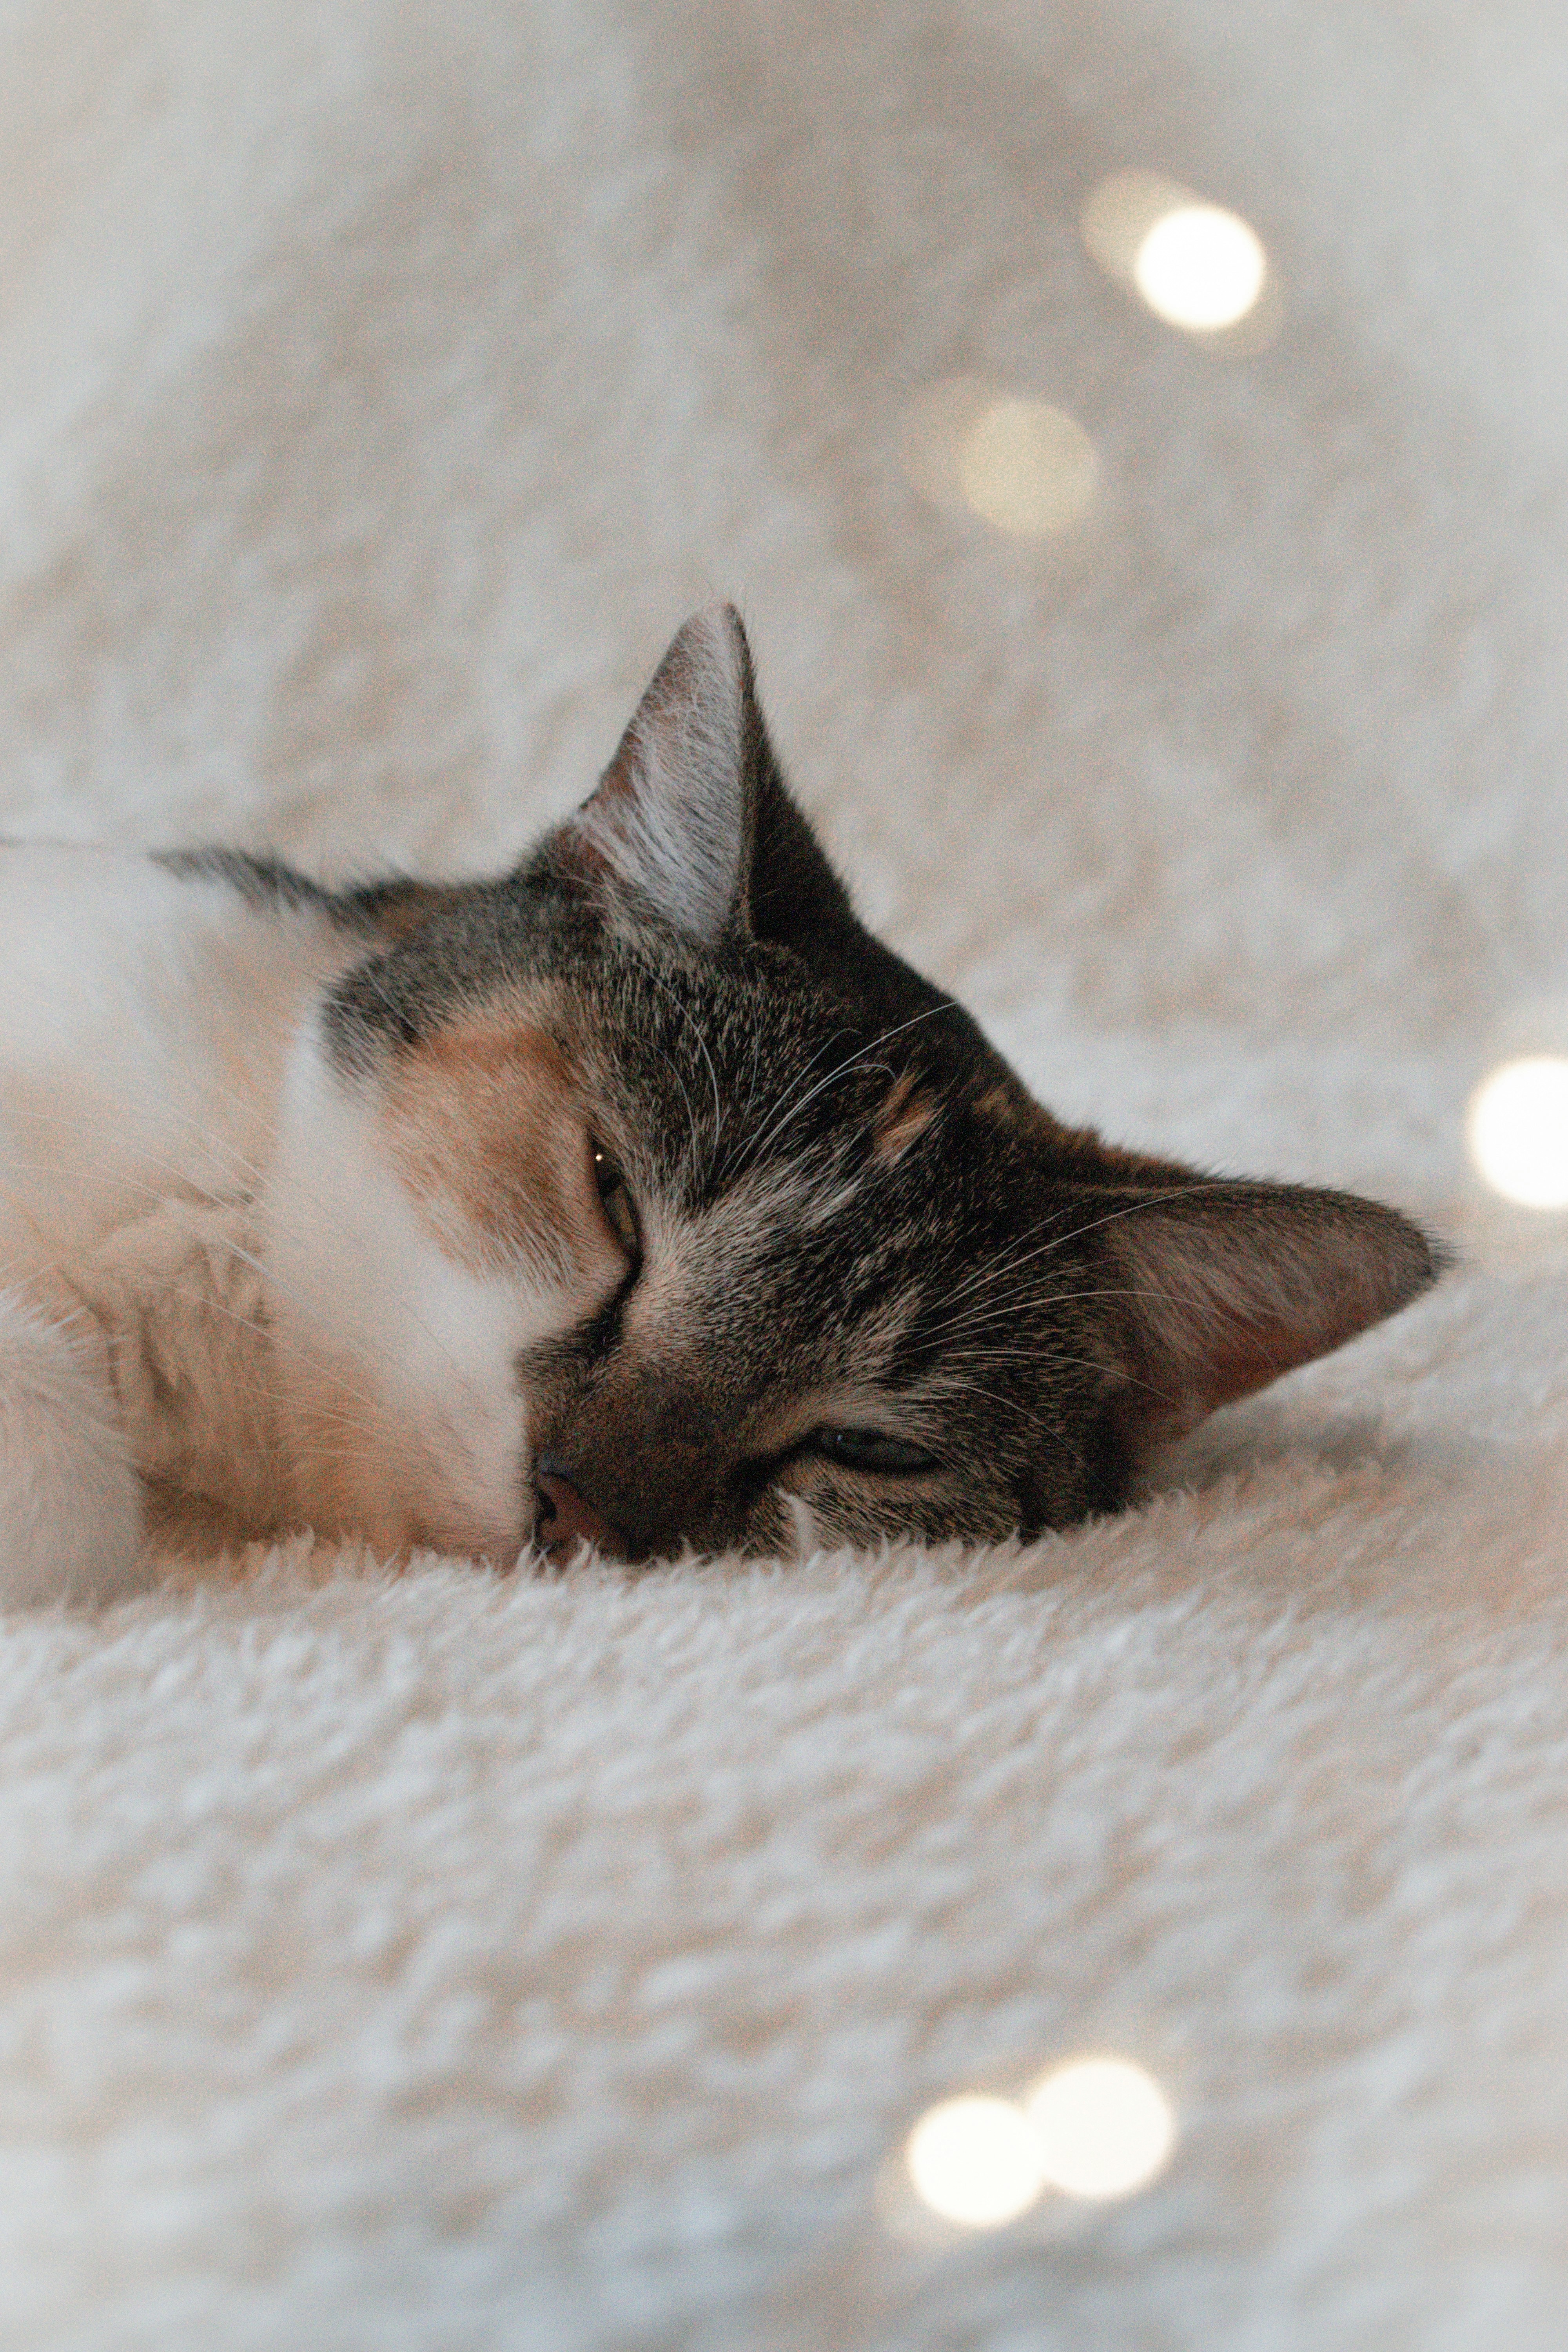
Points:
(567, 1518)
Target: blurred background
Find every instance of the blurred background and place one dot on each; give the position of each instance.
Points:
(1133, 431)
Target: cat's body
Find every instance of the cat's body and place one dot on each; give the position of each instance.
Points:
(145, 1026)
(637, 1196)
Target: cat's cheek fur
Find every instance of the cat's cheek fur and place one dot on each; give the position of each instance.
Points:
(396, 1363)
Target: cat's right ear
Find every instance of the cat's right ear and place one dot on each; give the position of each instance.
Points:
(674, 821)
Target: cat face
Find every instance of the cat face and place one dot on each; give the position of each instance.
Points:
(682, 1212)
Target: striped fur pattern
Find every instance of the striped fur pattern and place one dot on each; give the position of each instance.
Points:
(638, 1196)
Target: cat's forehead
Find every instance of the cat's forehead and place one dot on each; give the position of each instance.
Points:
(786, 1107)
(842, 1247)
(803, 1122)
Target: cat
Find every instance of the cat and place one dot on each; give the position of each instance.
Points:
(638, 1198)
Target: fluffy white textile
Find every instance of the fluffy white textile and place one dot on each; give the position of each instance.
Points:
(446, 1962)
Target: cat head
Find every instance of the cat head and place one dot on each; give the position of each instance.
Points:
(642, 1196)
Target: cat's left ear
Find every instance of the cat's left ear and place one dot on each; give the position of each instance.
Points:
(1225, 1286)
(675, 817)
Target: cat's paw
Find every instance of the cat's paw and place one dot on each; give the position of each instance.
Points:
(70, 1503)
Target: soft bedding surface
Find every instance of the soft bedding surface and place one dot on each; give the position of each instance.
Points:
(447, 1961)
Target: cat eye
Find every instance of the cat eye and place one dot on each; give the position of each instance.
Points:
(616, 1200)
(867, 1449)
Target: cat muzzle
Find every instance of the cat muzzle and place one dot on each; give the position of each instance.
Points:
(566, 1518)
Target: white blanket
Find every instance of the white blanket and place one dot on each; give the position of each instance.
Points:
(448, 1962)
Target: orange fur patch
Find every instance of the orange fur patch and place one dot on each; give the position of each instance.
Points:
(407, 906)
(484, 1124)
(903, 1120)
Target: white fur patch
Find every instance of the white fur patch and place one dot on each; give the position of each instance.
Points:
(142, 1027)
(396, 1364)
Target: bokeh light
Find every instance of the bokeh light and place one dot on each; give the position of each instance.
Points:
(1103, 2126)
(975, 2160)
(1518, 1131)
(1028, 468)
(1201, 268)
(1196, 265)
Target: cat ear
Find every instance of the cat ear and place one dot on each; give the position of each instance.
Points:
(1225, 1285)
(675, 816)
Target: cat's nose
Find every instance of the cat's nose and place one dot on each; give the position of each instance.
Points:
(567, 1518)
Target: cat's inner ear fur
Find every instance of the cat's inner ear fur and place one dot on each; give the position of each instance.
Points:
(1226, 1286)
(674, 818)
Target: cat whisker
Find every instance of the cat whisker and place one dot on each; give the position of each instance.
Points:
(986, 1313)
(695, 1028)
(778, 1101)
(854, 1060)
(673, 1067)
(1012, 1262)
(1022, 1405)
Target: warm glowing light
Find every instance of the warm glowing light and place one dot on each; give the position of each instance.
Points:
(1200, 267)
(1028, 468)
(1196, 265)
(975, 2160)
(1104, 2126)
(1518, 1132)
